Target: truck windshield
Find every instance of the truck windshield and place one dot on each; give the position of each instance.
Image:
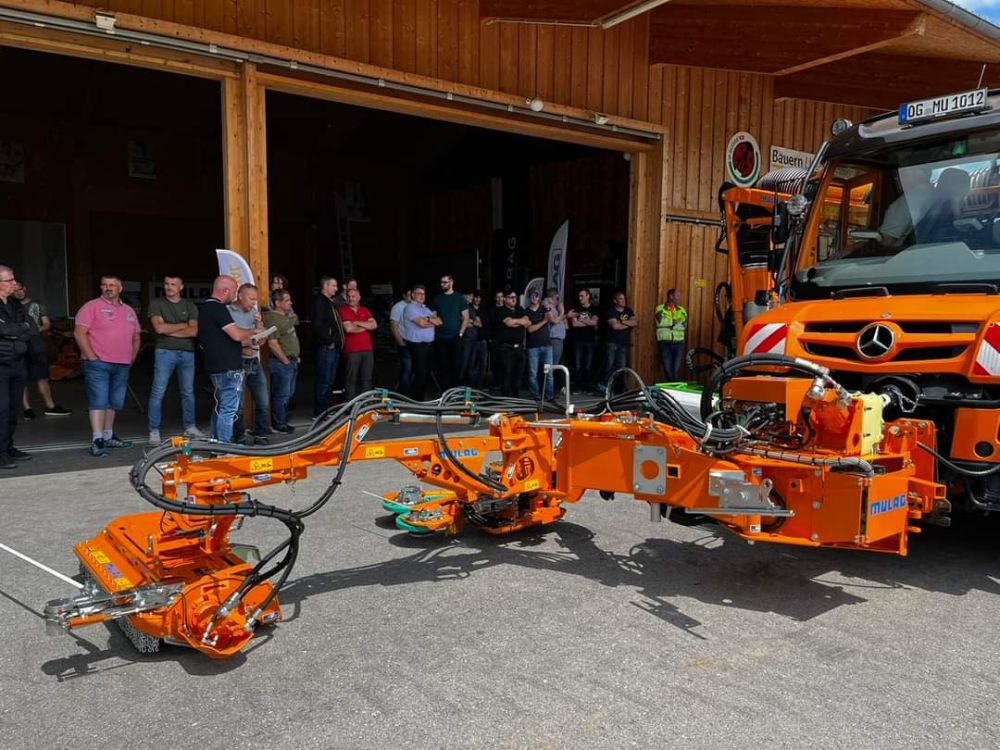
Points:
(907, 217)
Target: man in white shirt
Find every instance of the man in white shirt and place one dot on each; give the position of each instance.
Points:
(405, 362)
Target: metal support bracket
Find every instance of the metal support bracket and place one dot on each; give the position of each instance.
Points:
(738, 497)
(644, 459)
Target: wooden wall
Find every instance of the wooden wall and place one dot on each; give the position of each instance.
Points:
(605, 71)
(701, 109)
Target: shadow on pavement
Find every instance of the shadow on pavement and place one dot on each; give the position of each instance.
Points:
(715, 569)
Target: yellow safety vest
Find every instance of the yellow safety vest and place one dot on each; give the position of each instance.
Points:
(670, 323)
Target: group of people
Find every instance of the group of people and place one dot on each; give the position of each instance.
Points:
(453, 339)
(450, 338)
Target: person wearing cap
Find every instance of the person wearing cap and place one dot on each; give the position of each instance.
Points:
(538, 347)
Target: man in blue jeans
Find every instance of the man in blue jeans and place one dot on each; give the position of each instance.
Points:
(538, 346)
(621, 320)
(221, 339)
(284, 361)
(175, 321)
(107, 332)
(582, 320)
(246, 314)
(329, 334)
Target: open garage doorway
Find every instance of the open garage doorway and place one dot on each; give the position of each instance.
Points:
(393, 199)
(106, 168)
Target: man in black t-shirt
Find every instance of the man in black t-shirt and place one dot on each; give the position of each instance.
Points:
(511, 326)
(621, 320)
(538, 346)
(491, 322)
(453, 310)
(221, 343)
(582, 321)
(473, 344)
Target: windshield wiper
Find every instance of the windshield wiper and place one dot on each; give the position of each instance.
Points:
(861, 291)
(972, 287)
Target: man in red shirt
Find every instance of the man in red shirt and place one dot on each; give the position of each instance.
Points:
(358, 352)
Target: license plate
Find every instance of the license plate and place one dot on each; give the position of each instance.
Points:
(943, 106)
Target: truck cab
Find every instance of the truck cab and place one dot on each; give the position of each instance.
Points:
(890, 274)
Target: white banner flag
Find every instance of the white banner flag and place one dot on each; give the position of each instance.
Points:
(556, 276)
(235, 265)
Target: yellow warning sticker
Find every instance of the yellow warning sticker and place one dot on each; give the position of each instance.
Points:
(531, 484)
(259, 465)
(99, 556)
(375, 451)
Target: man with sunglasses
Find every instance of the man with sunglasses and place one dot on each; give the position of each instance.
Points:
(511, 329)
(16, 329)
(453, 310)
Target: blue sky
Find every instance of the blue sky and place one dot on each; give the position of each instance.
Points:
(986, 8)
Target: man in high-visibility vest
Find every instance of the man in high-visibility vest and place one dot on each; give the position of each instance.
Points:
(671, 325)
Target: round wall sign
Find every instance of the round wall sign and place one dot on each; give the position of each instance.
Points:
(743, 159)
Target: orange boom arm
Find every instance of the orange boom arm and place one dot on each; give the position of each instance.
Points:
(830, 473)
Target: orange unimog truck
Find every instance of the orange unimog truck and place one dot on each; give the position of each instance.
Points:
(882, 263)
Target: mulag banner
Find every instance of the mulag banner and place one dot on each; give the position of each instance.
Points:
(235, 265)
(556, 276)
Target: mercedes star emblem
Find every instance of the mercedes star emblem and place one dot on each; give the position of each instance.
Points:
(876, 341)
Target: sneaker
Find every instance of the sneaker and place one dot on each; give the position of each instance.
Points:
(28, 415)
(18, 455)
(97, 447)
(116, 442)
(6, 462)
(194, 432)
(154, 437)
(57, 411)
(285, 428)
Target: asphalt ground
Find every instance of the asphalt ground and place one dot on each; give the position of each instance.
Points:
(601, 631)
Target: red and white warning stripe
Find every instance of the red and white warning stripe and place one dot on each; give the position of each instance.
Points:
(766, 338)
(988, 356)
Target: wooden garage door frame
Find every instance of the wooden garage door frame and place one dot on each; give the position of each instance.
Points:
(243, 94)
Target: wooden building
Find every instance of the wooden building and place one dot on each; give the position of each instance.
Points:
(664, 83)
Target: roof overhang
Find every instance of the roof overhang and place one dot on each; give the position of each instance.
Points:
(871, 53)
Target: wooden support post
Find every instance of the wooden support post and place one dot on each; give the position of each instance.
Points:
(244, 136)
(256, 120)
(645, 230)
(234, 166)
(244, 157)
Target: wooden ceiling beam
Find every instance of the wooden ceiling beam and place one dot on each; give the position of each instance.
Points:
(772, 40)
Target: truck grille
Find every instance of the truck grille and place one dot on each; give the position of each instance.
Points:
(916, 340)
(850, 354)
